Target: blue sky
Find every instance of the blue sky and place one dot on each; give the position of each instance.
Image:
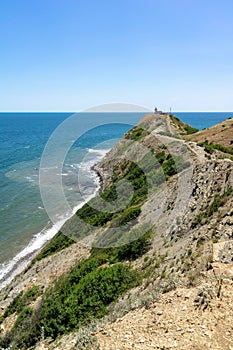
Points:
(68, 55)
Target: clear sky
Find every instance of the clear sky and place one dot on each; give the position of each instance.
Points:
(67, 55)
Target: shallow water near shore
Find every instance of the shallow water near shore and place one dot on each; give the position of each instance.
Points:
(25, 225)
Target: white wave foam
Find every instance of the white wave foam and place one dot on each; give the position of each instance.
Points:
(102, 152)
(29, 179)
(22, 259)
(12, 268)
(36, 243)
(88, 162)
(73, 166)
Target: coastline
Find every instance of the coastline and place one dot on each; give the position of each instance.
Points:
(172, 265)
(22, 260)
(97, 169)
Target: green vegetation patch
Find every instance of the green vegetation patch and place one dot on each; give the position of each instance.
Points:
(190, 130)
(173, 165)
(211, 147)
(56, 244)
(100, 218)
(144, 176)
(130, 214)
(187, 129)
(82, 294)
(136, 134)
(21, 301)
(76, 299)
(130, 251)
(85, 300)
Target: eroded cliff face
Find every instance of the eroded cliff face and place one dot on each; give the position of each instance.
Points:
(194, 204)
(187, 273)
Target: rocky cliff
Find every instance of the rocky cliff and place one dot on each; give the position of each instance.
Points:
(163, 221)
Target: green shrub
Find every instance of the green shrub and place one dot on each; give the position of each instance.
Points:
(32, 294)
(17, 337)
(20, 301)
(56, 244)
(136, 134)
(210, 147)
(88, 299)
(75, 299)
(15, 306)
(190, 130)
(130, 251)
(186, 127)
(129, 214)
(137, 179)
(93, 216)
(161, 156)
(109, 194)
(169, 166)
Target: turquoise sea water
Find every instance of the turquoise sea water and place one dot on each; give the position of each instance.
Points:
(201, 120)
(25, 225)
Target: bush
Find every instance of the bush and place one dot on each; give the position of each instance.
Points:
(130, 251)
(128, 215)
(135, 175)
(56, 244)
(88, 299)
(183, 126)
(75, 299)
(15, 306)
(17, 337)
(87, 218)
(136, 134)
(190, 130)
(93, 216)
(20, 301)
(169, 167)
(161, 156)
(210, 147)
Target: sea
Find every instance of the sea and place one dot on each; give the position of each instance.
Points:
(24, 223)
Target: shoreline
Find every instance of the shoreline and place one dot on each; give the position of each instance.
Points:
(22, 260)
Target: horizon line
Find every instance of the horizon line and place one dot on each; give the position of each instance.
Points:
(83, 111)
